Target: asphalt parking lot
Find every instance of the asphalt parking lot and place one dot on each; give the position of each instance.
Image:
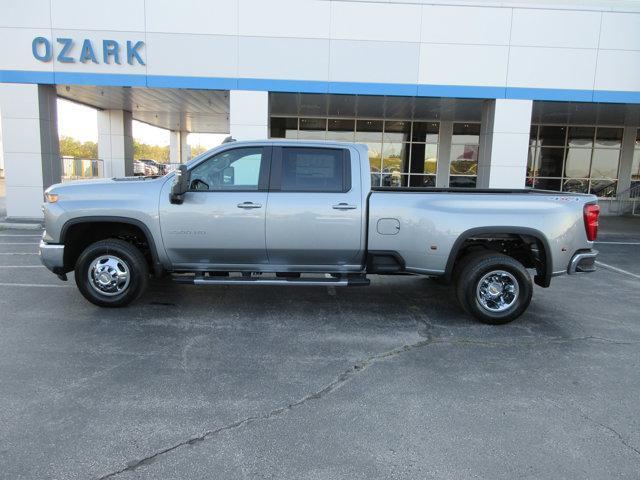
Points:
(390, 381)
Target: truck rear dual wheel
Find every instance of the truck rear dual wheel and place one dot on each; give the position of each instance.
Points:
(111, 273)
(493, 287)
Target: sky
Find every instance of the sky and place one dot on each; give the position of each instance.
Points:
(81, 123)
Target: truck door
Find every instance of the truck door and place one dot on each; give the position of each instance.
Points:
(314, 213)
(222, 219)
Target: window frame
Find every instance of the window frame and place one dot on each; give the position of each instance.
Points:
(263, 176)
(535, 146)
(275, 181)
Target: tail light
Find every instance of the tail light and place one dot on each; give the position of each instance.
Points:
(591, 214)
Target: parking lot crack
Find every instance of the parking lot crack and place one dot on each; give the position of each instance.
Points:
(344, 377)
(347, 375)
(604, 426)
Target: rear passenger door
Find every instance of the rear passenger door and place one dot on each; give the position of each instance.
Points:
(314, 211)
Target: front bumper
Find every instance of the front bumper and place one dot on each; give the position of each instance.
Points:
(52, 256)
(583, 261)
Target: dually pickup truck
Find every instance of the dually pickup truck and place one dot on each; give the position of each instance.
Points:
(280, 212)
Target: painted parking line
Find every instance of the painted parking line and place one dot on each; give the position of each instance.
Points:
(18, 243)
(618, 243)
(22, 266)
(42, 285)
(619, 270)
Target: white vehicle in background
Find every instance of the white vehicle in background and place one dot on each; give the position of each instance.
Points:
(150, 167)
(138, 168)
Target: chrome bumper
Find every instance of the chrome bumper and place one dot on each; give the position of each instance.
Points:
(583, 262)
(52, 256)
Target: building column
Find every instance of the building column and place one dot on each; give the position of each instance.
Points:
(30, 147)
(444, 154)
(115, 142)
(626, 158)
(504, 143)
(179, 150)
(248, 114)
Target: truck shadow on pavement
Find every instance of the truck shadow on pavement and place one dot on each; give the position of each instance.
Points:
(401, 304)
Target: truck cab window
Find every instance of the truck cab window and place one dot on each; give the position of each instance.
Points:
(313, 170)
(237, 169)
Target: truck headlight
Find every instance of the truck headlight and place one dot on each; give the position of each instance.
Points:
(51, 197)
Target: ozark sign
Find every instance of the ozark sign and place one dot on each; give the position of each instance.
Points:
(109, 52)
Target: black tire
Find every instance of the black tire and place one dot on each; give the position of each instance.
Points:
(131, 261)
(514, 284)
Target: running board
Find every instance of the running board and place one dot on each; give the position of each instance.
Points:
(308, 282)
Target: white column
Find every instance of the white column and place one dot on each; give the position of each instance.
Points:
(504, 143)
(115, 142)
(174, 147)
(248, 114)
(30, 146)
(185, 148)
(179, 149)
(444, 154)
(626, 158)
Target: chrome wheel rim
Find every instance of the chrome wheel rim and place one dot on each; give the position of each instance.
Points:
(497, 291)
(109, 275)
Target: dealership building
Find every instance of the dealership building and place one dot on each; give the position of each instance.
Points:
(507, 94)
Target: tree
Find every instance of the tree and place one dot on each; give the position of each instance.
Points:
(153, 152)
(197, 150)
(70, 147)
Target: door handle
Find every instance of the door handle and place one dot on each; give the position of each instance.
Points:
(344, 206)
(249, 205)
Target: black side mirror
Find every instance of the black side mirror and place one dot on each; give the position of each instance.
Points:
(180, 185)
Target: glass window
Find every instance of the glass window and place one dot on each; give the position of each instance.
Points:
(423, 180)
(396, 131)
(578, 162)
(424, 158)
(533, 164)
(581, 136)
(430, 158)
(313, 128)
(548, 183)
(312, 169)
(551, 135)
(375, 156)
(284, 127)
(605, 163)
(464, 160)
(609, 137)
(551, 162)
(466, 133)
(604, 188)
(425, 132)
(462, 182)
(394, 157)
(575, 186)
(394, 179)
(588, 162)
(237, 169)
(369, 131)
(635, 166)
(341, 130)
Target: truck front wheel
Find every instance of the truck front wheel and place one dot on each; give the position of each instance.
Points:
(111, 273)
(493, 287)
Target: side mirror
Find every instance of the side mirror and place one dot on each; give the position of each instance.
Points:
(180, 185)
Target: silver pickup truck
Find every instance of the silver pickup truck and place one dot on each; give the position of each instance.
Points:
(304, 213)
